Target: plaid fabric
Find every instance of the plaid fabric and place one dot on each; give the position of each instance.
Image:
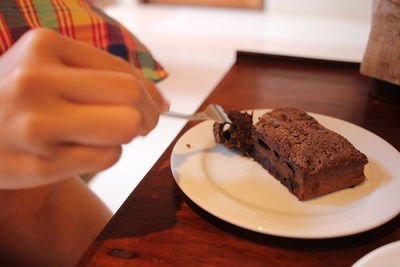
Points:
(79, 20)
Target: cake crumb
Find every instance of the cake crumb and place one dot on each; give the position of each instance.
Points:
(188, 146)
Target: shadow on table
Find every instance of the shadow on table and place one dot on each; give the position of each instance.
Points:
(298, 243)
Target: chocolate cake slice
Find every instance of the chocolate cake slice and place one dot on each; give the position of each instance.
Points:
(309, 159)
(238, 134)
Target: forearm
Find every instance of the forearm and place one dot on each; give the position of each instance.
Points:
(50, 225)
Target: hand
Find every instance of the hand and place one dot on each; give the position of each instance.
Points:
(66, 108)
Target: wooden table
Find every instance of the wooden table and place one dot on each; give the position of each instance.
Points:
(159, 226)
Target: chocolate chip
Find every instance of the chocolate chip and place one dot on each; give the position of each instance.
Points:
(284, 117)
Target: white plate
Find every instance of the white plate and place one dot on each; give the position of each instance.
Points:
(387, 256)
(239, 191)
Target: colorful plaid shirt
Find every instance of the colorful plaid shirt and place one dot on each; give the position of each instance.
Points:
(79, 20)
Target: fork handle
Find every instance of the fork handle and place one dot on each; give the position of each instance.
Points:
(185, 116)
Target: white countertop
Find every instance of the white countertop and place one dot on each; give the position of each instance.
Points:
(197, 46)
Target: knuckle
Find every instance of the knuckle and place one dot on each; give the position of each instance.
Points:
(31, 128)
(39, 38)
(25, 78)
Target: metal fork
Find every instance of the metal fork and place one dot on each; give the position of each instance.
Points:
(211, 112)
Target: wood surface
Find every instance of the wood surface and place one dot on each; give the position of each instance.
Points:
(159, 226)
(251, 4)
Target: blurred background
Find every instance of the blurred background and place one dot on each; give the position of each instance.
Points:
(196, 41)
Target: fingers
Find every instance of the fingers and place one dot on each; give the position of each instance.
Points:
(118, 115)
(69, 160)
(48, 45)
(97, 125)
(68, 107)
(102, 87)
(82, 55)
(72, 160)
(124, 90)
(103, 125)
(89, 125)
(100, 60)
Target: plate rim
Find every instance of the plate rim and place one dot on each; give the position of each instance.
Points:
(376, 252)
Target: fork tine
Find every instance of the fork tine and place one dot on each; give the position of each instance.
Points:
(217, 113)
(212, 112)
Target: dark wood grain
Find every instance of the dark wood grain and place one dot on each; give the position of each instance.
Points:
(159, 225)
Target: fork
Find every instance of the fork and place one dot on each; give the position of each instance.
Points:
(211, 112)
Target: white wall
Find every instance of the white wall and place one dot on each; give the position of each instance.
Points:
(344, 9)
